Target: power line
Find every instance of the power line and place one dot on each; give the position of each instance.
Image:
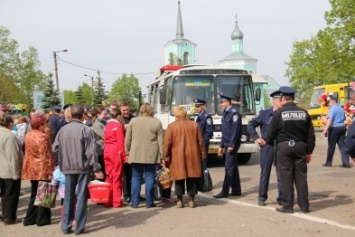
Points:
(91, 69)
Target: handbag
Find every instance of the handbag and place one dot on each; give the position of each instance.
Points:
(205, 182)
(46, 194)
(157, 191)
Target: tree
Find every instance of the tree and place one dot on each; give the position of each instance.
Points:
(69, 97)
(328, 57)
(99, 91)
(51, 95)
(87, 93)
(126, 89)
(79, 95)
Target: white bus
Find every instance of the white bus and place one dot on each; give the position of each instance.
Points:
(178, 86)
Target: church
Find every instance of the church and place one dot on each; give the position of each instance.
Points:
(181, 51)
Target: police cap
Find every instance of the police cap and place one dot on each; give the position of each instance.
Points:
(275, 94)
(57, 108)
(286, 90)
(225, 97)
(199, 102)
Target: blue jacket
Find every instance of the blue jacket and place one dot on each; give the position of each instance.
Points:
(205, 123)
(231, 129)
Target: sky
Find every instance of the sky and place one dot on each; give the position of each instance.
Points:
(117, 36)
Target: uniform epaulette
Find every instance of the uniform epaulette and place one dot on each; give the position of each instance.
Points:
(233, 110)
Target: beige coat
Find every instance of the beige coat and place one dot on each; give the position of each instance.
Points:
(184, 149)
(144, 140)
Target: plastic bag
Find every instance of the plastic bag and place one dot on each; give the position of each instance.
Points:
(205, 182)
(46, 194)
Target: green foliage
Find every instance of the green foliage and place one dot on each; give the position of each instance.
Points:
(99, 92)
(267, 101)
(329, 56)
(79, 95)
(126, 89)
(69, 97)
(87, 93)
(51, 95)
(19, 70)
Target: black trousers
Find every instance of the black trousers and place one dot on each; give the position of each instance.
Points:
(10, 193)
(100, 159)
(36, 214)
(191, 186)
(127, 179)
(292, 168)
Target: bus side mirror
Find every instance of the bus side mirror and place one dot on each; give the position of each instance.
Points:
(257, 93)
(162, 96)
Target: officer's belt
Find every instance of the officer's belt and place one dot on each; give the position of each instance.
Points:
(291, 143)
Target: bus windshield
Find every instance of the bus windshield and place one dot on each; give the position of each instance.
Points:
(186, 88)
(315, 103)
(240, 87)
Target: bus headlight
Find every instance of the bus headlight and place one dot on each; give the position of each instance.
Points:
(243, 138)
(217, 128)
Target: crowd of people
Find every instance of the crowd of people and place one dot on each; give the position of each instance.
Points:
(71, 145)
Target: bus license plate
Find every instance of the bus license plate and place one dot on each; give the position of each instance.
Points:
(212, 150)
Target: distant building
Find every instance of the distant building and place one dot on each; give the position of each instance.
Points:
(179, 51)
(240, 60)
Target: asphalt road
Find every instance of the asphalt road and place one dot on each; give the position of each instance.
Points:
(331, 194)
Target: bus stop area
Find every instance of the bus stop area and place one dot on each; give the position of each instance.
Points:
(331, 195)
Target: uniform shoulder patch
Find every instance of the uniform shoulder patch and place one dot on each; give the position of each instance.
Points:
(209, 121)
(235, 118)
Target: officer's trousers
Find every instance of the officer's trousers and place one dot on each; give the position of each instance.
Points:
(266, 161)
(292, 168)
(231, 178)
(336, 135)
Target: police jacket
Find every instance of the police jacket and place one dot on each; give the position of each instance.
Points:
(292, 123)
(205, 123)
(262, 120)
(231, 129)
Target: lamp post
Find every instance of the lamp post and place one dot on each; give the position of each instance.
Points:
(92, 89)
(55, 66)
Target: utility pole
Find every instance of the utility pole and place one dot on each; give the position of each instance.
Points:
(56, 67)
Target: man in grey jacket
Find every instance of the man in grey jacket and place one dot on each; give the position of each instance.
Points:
(75, 144)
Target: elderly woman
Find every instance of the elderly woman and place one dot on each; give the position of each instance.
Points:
(38, 166)
(10, 170)
(144, 148)
(184, 149)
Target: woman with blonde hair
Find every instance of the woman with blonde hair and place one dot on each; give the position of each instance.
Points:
(144, 149)
(184, 149)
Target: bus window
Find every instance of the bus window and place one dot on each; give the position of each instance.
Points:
(186, 88)
(168, 86)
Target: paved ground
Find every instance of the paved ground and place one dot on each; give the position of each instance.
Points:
(331, 196)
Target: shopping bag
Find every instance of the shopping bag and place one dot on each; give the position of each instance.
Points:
(157, 191)
(46, 194)
(205, 182)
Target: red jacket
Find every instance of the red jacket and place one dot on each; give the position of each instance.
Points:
(114, 138)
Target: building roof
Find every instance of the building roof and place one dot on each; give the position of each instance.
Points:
(237, 56)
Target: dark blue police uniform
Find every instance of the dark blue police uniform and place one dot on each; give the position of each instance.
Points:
(231, 134)
(293, 130)
(267, 153)
(205, 123)
(55, 122)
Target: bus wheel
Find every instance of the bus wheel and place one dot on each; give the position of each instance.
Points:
(243, 158)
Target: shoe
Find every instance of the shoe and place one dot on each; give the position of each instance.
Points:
(66, 232)
(133, 206)
(279, 202)
(261, 203)
(327, 165)
(305, 210)
(284, 210)
(17, 220)
(345, 166)
(80, 232)
(150, 206)
(221, 195)
(127, 199)
(235, 194)
(179, 204)
(192, 204)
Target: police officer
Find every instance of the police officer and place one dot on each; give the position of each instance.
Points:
(230, 142)
(292, 128)
(205, 123)
(266, 150)
(55, 122)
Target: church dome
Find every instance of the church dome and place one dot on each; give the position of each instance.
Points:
(237, 33)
